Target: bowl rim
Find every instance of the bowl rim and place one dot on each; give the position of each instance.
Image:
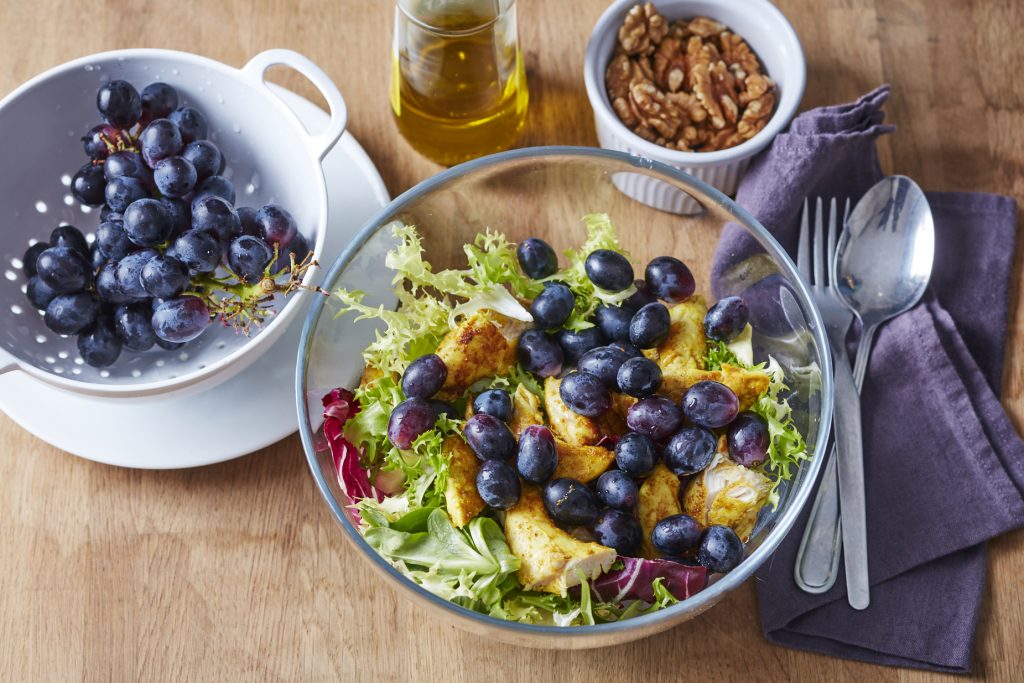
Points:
(593, 78)
(709, 595)
(268, 333)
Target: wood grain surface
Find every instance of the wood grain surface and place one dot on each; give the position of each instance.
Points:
(237, 571)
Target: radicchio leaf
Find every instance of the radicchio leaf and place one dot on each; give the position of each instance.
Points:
(634, 581)
(339, 406)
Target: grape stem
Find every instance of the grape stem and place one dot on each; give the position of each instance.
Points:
(244, 306)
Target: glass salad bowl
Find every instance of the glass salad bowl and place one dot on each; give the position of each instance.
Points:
(544, 192)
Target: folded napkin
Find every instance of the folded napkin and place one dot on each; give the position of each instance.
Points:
(943, 464)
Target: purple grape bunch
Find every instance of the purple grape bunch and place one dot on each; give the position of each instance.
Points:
(169, 235)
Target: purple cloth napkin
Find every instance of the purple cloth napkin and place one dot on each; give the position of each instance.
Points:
(943, 464)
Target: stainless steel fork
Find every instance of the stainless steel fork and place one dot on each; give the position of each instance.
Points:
(846, 414)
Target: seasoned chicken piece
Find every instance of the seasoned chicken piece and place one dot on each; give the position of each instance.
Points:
(566, 425)
(549, 557)
(614, 421)
(525, 410)
(658, 499)
(686, 346)
(461, 499)
(748, 385)
(477, 348)
(727, 493)
(583, 463)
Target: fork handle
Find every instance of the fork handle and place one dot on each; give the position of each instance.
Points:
(817, 560)
(850, 468)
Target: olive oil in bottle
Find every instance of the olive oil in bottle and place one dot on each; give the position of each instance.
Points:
(458, 88)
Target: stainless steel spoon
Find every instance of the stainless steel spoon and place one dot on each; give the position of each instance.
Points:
(882, 267)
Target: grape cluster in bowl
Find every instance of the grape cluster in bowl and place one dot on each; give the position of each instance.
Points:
(172, 254)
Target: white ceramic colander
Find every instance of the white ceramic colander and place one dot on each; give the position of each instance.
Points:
(270, 157)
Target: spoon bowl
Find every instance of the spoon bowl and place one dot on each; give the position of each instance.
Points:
(884, 256)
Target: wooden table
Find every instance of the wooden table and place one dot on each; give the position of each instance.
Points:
(237, 570)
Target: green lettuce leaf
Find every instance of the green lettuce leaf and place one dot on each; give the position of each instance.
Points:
(788, 447)
(472, 567)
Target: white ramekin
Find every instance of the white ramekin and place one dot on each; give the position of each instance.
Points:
(767, 32)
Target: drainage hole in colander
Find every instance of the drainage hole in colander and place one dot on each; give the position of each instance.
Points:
(183, 356)
(59, 370)
(16, 263)
(40, 339)
(50, 359)
(104, 373)
(41, 206)
(136, 373)
(221, 344)
(160, 363)
(15, 309)
(68, 200)
(63, 355)
(85, 208)
(76, 371)
(65, 180)
(10, 275)
(202, 366)
(79, 361)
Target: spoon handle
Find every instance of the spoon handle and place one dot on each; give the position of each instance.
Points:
(817, 560)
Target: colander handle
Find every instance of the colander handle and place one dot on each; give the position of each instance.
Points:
(321, 143)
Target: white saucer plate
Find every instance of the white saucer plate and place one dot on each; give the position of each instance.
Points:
(244, 414)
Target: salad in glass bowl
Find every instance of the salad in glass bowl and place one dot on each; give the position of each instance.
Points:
(562, 441)
(518, 376)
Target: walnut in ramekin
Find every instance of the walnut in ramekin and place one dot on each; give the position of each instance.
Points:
(691, 85)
